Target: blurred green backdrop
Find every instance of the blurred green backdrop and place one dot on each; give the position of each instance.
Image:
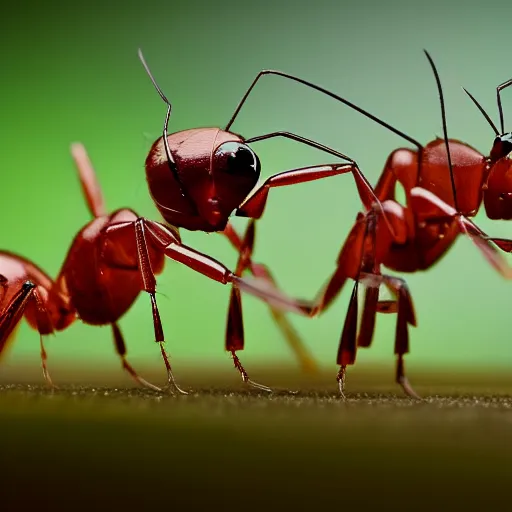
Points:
(71, 73)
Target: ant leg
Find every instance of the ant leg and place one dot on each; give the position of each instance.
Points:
(11, 315)
(292, 337)
(347, 265)
(149, 282)
(163, 239)
(253, 206)
(405, 316)
(44, 358)
(438, 211)
(90, 186)
(235, 325)
(405, 309)
(358, 261)
(302, 175)
(245, 377)
(402, 166)
(348, 347)
(483, 243)
(370, 308)
(45, 327)
(121, 350)
(361, 244)
(27, 296)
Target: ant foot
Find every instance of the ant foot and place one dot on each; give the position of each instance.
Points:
(408, 389)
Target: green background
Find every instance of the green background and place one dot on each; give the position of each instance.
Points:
(70, 72)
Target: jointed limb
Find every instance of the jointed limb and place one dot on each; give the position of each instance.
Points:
(29, 295)
(235, 324)
(292, 337)
(90, 185)
(254, 206)
(161, 238)
(149, 282)
(121, 350)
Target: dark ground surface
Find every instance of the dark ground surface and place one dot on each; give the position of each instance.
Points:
(108, 448)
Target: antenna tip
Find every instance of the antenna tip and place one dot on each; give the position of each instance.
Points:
(141, 56)
(427, 54)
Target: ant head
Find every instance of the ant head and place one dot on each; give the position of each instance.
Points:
(198, 177)
(501, 147)
(498, 188)
(212, 172)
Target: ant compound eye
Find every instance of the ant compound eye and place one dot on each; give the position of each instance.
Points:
(237, 158)
(502, 146)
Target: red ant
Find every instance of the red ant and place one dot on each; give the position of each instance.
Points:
(444, 183)
(111, 260)
(439, 199)
(199, 177)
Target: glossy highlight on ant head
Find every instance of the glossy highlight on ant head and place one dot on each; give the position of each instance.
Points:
(212, 172)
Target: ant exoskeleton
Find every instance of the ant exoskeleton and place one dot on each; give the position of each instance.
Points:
(443, 182)
(199, 177)
(111, 260)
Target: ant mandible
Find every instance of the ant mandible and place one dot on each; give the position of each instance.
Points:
(199, 177)
(443, 182)
(111, 260)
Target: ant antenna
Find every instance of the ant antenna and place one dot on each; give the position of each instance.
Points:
(170, 159)
(445, 131)
(500, 87)
(328, 93)
(484, 113)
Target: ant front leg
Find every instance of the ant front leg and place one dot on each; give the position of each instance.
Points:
(262, 271)
(253, 206)
(163, 239)
(149, 282)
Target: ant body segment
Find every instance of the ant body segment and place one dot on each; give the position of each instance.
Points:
(111, 260)
(199, 177)
(444, 182)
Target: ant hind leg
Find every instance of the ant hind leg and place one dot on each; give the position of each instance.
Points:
(121, 350)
